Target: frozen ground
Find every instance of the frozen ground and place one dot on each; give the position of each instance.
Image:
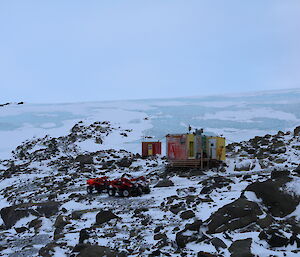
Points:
(46, 211)
(238, 117)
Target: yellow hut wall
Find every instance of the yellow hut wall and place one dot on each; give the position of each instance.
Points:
(221, 148)
(190, 146)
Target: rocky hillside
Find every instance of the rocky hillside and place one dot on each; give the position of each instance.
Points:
(248, 208)
(267, 152)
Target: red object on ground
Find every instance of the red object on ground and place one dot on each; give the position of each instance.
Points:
(124, 186)
(151, 148)
(99, 184)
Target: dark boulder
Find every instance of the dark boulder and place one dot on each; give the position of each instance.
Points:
(83, 235)
(20, 229)
(48, 209)
(36, 224)
(205, 254)
(182, 238)
(218, 243)
(195, 226)
(47, 250)
(176, 208)
(60, 222)
(265, 222)
(155, 253)
(124, 162)
(295, 239)
(274, 237)
(187, 215)
(105, 216)
(10, 215)
(235, 215)
(279, 202)
(160, 236)
(297, 131)
(279, 174)
(213, 183)
(164, 183)
(84, 159)
(241, 248)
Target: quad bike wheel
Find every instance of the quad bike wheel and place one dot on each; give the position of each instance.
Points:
(99, 190)
(90, 189)
(111, 192)
(147, 190)
(139, 191)
(125, 193)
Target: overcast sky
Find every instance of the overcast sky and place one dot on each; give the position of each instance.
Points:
(67, 51)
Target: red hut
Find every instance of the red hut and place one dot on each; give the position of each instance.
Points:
(151, 148)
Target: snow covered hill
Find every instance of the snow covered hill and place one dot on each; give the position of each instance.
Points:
(238, 117)
(243, 207)
(248, 207)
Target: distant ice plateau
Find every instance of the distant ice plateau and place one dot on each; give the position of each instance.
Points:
(237, 117)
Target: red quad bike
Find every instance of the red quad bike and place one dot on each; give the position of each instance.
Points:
(99, 184)
(128, 187)
(142, 183)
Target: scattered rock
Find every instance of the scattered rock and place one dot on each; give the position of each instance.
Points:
(84, 159)
(274, 237)
(158, 228)
(60, 222)
(20, 229)
(237, 214)
(97, 251)
(213, 183)
(187, 215)
(76, 215)
(124, 162)
(205, 254)
(83, 235)
(164, 183)
(160, 236)
(176, 208)
(182, 240)
(241, 248)
(279, 202)
(279, 174)
(195, 226)
(36, 224)
(47, 251)
(105, 216)
(155, 253)
(218, 243)
(265, 222)
(297, 131)
(10, 215)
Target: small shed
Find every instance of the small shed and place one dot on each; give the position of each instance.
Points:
(151, 148)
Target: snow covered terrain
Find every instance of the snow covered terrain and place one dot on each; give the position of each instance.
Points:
(247, 207)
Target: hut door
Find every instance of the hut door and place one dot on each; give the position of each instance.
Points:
(213, 148)
(191, 149)
(150, 149)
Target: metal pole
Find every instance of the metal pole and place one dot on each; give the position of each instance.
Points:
(201, 161)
